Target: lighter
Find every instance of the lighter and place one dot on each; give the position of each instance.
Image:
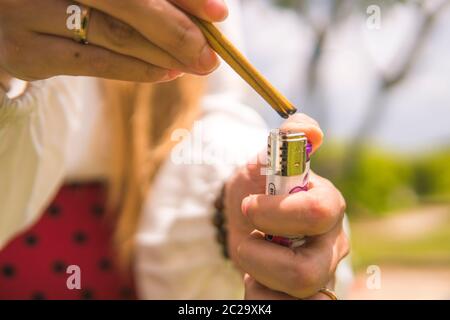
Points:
(288, 157)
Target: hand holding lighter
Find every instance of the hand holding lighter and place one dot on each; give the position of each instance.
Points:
(288, 172)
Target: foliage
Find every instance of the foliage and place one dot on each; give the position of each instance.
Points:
(432, 175)
(372, 247)
(380, 181)
(363, 3)
(373, 181)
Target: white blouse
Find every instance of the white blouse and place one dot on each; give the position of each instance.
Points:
(54, 133)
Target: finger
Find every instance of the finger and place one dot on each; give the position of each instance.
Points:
(210, 10)
(313, 212)
(167, 27)
(5, 80)
(296, 123)
(320, 295)
(106, 32)
(70, 58)
(301, 272)
(117, 36)
(302, 123)
(256, 291)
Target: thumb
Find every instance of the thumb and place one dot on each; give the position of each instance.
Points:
(302, 123)
(257, 166)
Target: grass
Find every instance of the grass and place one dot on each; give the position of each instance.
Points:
(375, 247)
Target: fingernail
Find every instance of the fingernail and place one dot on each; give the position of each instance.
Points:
(208, 60)
(246, 203)
(217, 10)
(174, 74)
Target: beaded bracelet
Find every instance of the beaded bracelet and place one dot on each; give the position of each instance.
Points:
(219, 221)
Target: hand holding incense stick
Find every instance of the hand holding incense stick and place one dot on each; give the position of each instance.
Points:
(236, 60)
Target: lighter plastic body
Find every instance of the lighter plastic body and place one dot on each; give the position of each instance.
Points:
(288, 173)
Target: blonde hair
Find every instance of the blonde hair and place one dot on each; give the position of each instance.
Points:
(142, 118)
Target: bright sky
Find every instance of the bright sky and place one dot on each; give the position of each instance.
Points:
(418, 114)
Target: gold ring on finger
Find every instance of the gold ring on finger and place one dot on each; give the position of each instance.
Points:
(329, 293)
(80, 34)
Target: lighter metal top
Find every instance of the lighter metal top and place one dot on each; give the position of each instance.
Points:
(287, 153)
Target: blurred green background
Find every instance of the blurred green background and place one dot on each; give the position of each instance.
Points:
(380, 93)
(378, 183)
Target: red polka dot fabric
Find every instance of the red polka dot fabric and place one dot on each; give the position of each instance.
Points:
(73, 231)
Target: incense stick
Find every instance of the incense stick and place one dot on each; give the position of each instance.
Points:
(236, 60)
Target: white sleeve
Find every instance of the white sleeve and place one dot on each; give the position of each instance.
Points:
(178, 256)
(34, 128)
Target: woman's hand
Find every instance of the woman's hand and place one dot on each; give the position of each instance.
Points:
(132, 40)
(274, 271)
(5, 78)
